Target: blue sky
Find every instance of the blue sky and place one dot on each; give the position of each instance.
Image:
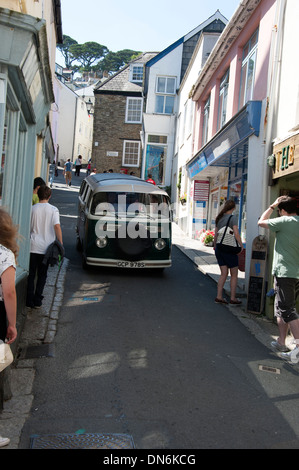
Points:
(133, 24)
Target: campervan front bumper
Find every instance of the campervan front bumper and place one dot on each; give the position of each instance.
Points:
(147, 264)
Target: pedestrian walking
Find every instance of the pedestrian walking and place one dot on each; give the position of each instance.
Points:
(150, 179)
(285, 269)
(8, 298)
(52, 171)
(67, 172)
(37, 183)
(78, 165)
(228, 262)
(44, 229)
(88, 171)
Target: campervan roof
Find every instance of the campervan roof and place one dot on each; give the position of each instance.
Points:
(121, 182)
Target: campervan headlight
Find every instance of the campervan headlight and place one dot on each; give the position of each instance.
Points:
(101, 242)
(159, 244)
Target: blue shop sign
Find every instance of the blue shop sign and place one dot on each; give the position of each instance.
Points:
(199, 164)
(235, 132)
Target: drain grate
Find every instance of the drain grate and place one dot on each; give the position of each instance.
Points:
(82, 441)
(273, 370)
(41, 350)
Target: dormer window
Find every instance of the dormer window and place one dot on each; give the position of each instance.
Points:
(137, 73)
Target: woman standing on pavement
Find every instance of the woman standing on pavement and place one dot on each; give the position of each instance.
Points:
(227, 261)
(8, 298)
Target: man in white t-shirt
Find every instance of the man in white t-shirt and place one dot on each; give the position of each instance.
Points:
(45, 228)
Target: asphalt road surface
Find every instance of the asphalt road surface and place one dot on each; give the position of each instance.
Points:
(153, 357)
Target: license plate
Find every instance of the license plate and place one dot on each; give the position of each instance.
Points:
(130, 264)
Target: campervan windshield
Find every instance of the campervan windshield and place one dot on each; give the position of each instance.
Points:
(130, 204)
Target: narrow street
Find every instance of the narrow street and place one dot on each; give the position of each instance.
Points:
(154, 358)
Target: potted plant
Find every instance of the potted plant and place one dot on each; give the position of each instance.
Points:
(207, 238)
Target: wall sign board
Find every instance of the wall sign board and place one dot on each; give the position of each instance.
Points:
(286, 157)
(256, 286)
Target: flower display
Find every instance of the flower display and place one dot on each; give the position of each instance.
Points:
(205, 236)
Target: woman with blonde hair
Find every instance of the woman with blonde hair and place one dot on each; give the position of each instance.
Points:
(227, 261)
(8, 298)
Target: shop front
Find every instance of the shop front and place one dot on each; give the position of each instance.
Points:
(284, 164)
(224, 162)
(25, 99)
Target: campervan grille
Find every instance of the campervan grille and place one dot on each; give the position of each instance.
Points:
(134, 248)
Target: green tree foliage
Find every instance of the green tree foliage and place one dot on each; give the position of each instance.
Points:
(93, 56)
(87, 54)
(64, 49)
(114, 61)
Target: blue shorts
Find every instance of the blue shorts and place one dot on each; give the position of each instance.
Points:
(226, 259)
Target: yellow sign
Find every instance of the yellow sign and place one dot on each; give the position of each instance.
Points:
(286, 156)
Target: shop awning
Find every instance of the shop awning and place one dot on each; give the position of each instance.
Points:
(230, 144)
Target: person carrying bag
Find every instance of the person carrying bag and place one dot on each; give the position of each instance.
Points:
(8, 298)
(6, 356)
(226, 240)
(227, 245)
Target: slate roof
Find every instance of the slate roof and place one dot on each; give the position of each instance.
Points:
(119, 82)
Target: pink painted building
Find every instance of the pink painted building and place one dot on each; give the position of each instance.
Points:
(230, 95)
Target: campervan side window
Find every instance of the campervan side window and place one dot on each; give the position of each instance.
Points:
(82, 187)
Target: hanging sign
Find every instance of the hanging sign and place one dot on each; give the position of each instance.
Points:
(201, 190)
(286, 157)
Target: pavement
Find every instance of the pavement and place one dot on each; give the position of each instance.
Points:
(39, 331)
(41, 324)
(203, 257)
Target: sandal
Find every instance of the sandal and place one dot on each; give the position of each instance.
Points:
(221, 301)
(235, 302)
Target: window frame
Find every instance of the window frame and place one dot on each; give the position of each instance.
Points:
(167, 78)
(132, 98)
(132, 165)
(135, 66)
(165, 95)
(205, 123)
(222, 105)
(246, 92)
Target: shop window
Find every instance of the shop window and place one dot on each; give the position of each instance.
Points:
(237, 191)
(156, 154)
(248, 70)
(157, 139)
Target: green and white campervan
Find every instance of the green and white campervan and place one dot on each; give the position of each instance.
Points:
(123, 222)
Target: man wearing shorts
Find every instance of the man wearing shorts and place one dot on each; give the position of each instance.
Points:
(285, 270)
(68, 172)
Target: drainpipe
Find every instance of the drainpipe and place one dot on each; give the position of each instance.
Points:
(272, 88)
(22, 6)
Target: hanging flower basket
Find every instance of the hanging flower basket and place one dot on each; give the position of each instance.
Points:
(183, 199)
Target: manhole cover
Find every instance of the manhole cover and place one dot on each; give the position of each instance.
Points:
(82, 441)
